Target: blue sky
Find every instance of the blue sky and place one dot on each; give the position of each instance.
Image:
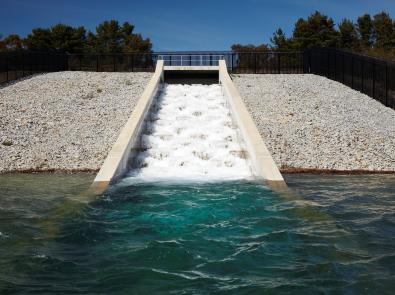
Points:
(184, 25)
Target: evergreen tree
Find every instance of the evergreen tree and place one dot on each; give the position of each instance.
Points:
(2, 44)
(280, 41)
(317, 31)
(68, 39)
(110, 37)
(249, 48)
(247, 60)
(383, 31)
(365, 30)
(348, 35)
(13, 42)
(134, 42)
(59, 38)
(39, 39)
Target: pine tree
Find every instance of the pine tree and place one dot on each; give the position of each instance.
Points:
(249, 48)
(348, 35)
(68, 39)
(39, 39)
(383, 31)
(365, 30)
(317, 31)
(13, 42)
(280, 41)
(2, 44)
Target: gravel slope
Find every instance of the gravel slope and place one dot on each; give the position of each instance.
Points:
(312, 122)
(65, 120)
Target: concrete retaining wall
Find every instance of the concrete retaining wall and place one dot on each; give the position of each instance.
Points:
(263, 163)
(118, 160)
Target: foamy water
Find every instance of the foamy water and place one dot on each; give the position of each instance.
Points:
(190, 135)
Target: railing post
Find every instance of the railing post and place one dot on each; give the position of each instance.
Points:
(211, 60)
(6, 66)
(352, 71)
(132, 62)
(386, 85)
(343, 68)
(328, 72)
(255, 63)
(306, 56)
(97, 62)
(278, 63)
(362, 75)
(334, 73)
(232, 61)
(113, 60)
(310, 62)
(374, 80)
(23, 64)
(80, 62)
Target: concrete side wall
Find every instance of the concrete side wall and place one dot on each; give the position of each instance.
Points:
(263, 163)
(117, 160)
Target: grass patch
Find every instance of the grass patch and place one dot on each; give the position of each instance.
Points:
(7, 142)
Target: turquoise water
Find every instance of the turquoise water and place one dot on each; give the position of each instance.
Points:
(337, 236)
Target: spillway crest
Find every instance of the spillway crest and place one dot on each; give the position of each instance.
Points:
(190, 135)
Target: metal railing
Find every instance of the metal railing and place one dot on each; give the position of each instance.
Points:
(16, 65)
(237, 62)
(373, 76)
(191, 59)
(19, 64)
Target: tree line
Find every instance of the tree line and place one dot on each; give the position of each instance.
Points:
(373, 35)
(109, 37)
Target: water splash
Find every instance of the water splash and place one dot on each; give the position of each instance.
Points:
(190, 135)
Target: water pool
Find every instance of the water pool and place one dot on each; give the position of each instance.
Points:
(338, 236)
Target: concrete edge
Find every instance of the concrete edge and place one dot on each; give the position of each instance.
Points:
(117, 160)
(261, 158)
(191, 68)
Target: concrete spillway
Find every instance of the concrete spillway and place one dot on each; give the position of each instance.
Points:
(189, 131)
(189, 134)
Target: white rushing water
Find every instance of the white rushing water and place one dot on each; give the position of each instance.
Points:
(190, 135)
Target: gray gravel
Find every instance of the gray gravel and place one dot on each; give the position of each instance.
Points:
(69, 120)
(312, 122)
(65, 120)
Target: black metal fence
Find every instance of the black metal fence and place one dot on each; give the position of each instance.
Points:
(245, 62)
(19, 64)
(16, 65)
(265, 62)
(373, 76)
(128, 62)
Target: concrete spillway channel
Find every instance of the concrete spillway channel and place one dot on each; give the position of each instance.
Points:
(189, 130)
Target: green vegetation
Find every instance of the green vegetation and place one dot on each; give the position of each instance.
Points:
(7, 142)
(370, 35)
(373, 35)
(109, 37)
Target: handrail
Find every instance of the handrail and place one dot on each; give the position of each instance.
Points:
(188, 59)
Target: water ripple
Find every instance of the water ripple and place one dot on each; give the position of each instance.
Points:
(231, 237)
